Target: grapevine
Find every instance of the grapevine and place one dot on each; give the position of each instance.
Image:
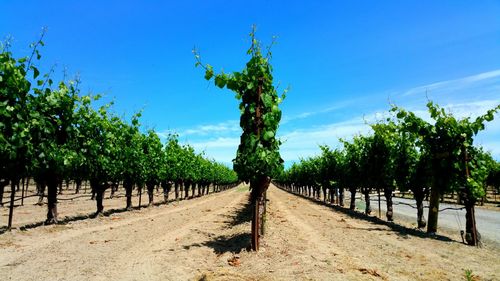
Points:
(257, 158)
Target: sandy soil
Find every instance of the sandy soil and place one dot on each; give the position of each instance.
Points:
(206, 239)
(80, 207)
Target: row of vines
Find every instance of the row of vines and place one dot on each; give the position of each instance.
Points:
(405, 153)
(52, 133)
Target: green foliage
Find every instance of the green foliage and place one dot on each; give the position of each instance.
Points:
(52, 128)
(58, 133)
(408, 153)
(183, 164)
(15, 115)
(448, 143)
(469, 276)
(258, 152)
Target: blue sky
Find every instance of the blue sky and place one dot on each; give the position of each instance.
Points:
(344, 61)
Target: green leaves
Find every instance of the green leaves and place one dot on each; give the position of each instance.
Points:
(14, 115)
(220, 81)
(446, 142)
(268, 135)
(209, 72)
(258, 153)
(36, 72)
(410, 152)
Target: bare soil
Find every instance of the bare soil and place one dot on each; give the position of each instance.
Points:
(207, 238)
(70, 207)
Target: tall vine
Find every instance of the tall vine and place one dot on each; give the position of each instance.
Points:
(257, 158)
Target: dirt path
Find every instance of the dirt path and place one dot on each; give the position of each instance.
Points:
(364, 250)
(195, 239)
(150, 244)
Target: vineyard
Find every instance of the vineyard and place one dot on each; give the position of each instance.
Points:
(405, 154)
(54, 134)
(73, 173)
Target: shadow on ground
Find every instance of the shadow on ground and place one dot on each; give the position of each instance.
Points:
(106, 213)
(398, 229)
(231, 243)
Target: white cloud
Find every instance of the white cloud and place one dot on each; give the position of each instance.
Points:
(337, 106)
(303, 143)
(222, 149)
(455, 84)
(210, 129)
(472, 109)
(220, 142)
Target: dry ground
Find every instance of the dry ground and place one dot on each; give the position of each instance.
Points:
(206, 239)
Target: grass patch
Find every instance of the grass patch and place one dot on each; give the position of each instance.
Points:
(242, 188)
